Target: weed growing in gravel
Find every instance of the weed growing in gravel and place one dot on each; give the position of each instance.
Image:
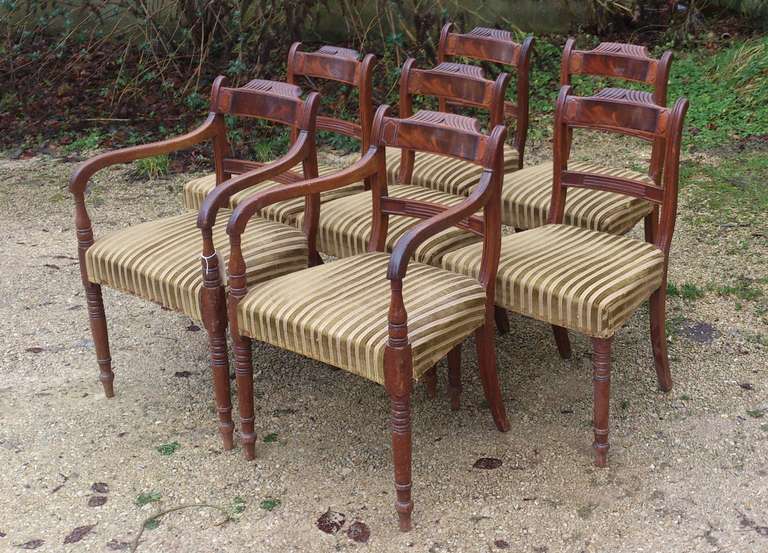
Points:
(147, 497)
(168, 449)
(238, 505)
(151, 524)
(744, 289)
(270, 438)
(756, 413)
(87, 143)
(686, 291)
(152, 167)
(270, 504)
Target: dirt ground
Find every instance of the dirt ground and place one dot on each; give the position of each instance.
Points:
(688, 470)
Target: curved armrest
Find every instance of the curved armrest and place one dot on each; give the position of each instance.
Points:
(365, 167)
(217, 197)
(404, 248)
(88, 168)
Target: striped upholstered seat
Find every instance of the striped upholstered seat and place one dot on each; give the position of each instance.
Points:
(576, 278)
(446, 174)
(345, 225)
(160, 260)
(283, 212)
(337, 313)
(526, 194)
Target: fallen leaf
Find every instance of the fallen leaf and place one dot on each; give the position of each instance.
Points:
(182, 374)
(35, 349)
(487, 463)
(97, 500)
(359, 532)
(193, 328)
(747, 386)
(331, 522)
(501, 544)
(32, 544)
(51, 266)
(78, 533)
(100, 487)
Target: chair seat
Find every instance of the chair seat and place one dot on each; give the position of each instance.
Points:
(282, 212)
(526, 196)
(345, 225)
(337, 313)
(446, 174)
(584, 280)
(160, 260)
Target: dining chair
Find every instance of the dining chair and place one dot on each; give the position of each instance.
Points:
(160, 260)
(496, 46)
(378, 315)
(340, 66)
(346, 224)
(526, 193)
(591, 281)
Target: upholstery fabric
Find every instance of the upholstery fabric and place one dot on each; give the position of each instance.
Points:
(282, 212)
(337, 313)
(446, 174)
(345, 225)
(581, 279)
(161, 260)
(526, 196)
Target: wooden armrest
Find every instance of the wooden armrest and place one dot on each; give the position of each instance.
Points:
(88, 168)
(364, 168)
(219, 196)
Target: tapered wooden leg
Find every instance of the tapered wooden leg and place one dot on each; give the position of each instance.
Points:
(401, 453)
(486, 358)
(454, 377)
(657, 309)
(244, 379)
(502, 320)
(430, 381)
(98, 322)
(562, 341)
(217, 343)
(601, 392)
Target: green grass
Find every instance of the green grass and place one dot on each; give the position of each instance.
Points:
(270, 438)
(168, 449)
(85, 143)
(729, 190)
(147, 497)
(152, 167)
(238, 505)
(727, 90)
(743, 288)
(686, 291)
(270, 504)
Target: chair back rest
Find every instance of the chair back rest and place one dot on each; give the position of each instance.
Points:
(451, 82)
(648, 122)
(342, 65)
(630, 62)
(496, 46)
(274, 101)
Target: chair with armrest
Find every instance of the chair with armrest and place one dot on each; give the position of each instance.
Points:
(339, 65)
(586, 280)
(160, 260)
(362, 313)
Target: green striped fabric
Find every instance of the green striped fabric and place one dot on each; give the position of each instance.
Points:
(580, 279)
(446, 174)
(337, 313)
(345, 225)
(526, 196)
(282, 212)
(161, 260)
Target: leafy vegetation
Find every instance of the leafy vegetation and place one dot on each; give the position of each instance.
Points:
(151, 168)
(270, 504)
(686, 291)
(168, 449)
(147, 497)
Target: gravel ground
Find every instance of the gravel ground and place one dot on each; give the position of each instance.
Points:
(688, 470)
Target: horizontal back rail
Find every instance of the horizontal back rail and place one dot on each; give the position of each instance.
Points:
(630, 187)
(644, 121)
(434, 138)
(481, 43)
(423, 210)
(468, 90)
